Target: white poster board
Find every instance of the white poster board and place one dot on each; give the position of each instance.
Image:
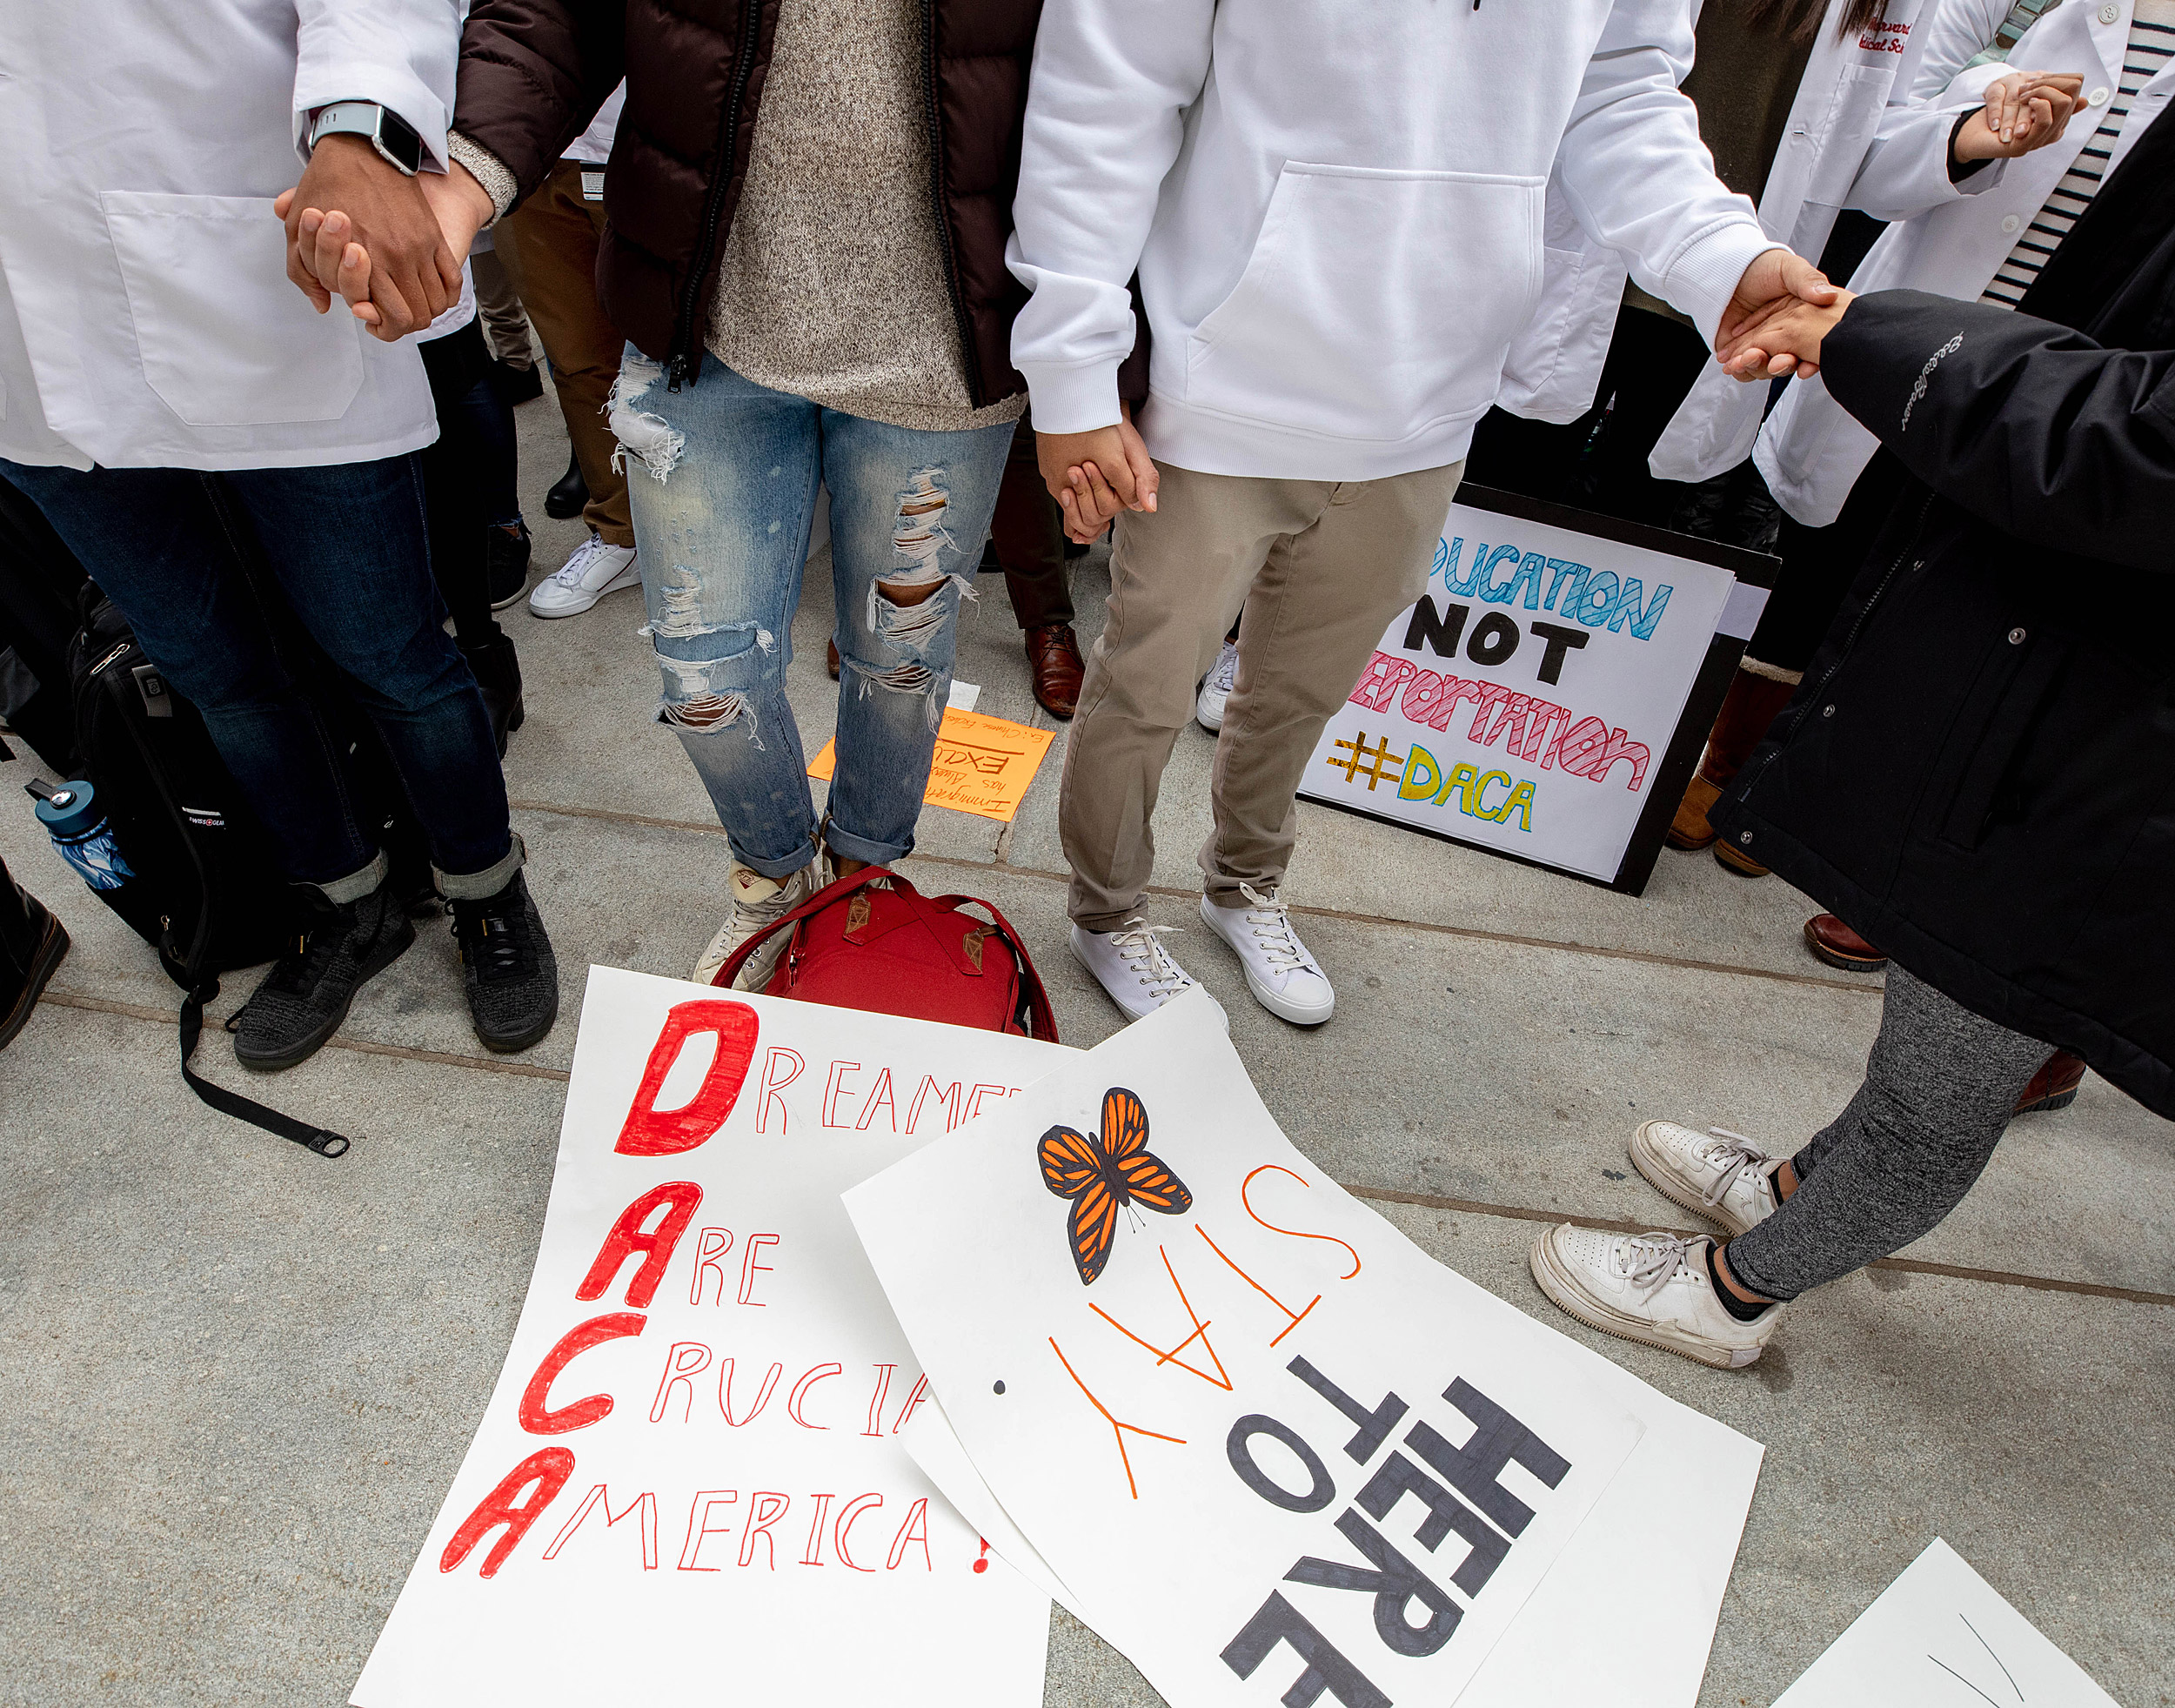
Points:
(688, 1485)
(1528, 702)
(1941, 1637)
(1262, 1442)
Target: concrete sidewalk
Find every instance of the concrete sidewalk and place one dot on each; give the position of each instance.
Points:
(231, 1409)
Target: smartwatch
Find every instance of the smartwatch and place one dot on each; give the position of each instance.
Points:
(393, 137)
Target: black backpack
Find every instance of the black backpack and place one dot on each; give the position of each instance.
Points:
(207, 892)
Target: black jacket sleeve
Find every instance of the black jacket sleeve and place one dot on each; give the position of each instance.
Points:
(2034, 427)
(532, 74)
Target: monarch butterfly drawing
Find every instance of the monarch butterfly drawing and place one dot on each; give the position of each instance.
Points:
(1102, 1174)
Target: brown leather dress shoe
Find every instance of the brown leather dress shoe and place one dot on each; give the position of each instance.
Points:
(2054, 1087)
(831, 658)
(1054, 656)
(1839, 945)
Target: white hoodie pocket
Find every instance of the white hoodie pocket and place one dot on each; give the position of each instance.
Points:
(225, 340)
(1374, 303)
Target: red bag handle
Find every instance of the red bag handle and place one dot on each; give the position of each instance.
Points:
(1041, 1020)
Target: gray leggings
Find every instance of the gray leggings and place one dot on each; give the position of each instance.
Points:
(1940, 1087)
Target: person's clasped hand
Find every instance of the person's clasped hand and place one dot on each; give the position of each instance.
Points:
(1776, 280)
(359, 229)
(1786, 338)
(2022, 111)
(1095, 475)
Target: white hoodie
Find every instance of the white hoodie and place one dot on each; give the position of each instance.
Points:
(1335, 208)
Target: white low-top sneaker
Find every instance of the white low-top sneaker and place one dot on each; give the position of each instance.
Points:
(591, 570)
(1284, 978)
(758, 902)
(1133, 967)
(1652, 1287)
(1719, 1174)
(1216, 688)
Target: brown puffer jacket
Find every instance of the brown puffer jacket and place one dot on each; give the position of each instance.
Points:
(533, 73)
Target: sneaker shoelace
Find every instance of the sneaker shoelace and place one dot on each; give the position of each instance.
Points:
(577, 566)
(1140, 946)
(493, 935)
(1269, 917)
(1650, 1262)
(299, 970)
(1735, 1155)
(1225, 676)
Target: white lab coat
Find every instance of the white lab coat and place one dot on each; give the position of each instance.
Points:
(1854, 139)
(1556, 363)
(146, 319)
(1811, 451)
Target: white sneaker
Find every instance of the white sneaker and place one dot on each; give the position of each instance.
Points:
(1721, 1176)
(1283, 977)
(757, 902)
(1652, 1287)
(591, 570)
(1133, 967)
(1216, 688)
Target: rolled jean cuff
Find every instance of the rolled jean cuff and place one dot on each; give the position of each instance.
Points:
(783, 868)
(476, 885)
(356, 885)
(858, 848)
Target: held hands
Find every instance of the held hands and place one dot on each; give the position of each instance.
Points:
(1777, 280)
(1790, 332)
(1095, 475)
(389, 245)
(2024, 111)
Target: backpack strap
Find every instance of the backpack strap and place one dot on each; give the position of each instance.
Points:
(1041, 1020)
(322, 1140)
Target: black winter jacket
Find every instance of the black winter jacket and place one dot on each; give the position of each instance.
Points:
(1978, 773)
(533, 73)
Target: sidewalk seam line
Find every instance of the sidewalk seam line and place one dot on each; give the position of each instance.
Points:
(1906, 1265)
(1857, 986)
(67, 999)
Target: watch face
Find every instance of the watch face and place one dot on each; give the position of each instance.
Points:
(398, 138)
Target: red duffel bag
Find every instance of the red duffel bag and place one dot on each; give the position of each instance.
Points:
(886, 948)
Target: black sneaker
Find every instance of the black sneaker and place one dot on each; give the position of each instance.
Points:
(506, 555)
(508, 967)
(306, 996)
(31, 944)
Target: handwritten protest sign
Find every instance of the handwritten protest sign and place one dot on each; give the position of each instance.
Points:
(1941, 1635)
(688, 1484)
(1267, 1447)
(982, 765)
(1549, 695)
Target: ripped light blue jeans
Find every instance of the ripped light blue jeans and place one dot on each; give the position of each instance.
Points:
(722, 477)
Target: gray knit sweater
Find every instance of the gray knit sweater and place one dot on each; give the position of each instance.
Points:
(832, 286)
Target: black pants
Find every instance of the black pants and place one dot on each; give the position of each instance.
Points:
(1027, 535)
(468, 477)
(40, 580)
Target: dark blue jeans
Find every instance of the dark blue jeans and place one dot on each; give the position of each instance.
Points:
(347, 547)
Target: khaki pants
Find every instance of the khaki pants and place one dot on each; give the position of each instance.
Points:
(505, 320)
(549, 247)
(1319, 567)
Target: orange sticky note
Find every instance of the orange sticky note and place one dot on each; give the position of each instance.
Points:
(981, 765)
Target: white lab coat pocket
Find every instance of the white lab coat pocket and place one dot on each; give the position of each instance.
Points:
(225, 339)
(1374, 300)
(1846, 131)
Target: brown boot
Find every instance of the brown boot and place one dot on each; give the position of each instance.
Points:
(831, 658)
(1054, 656)
(2054, 1087)
(1747, 710)
(1839, 945)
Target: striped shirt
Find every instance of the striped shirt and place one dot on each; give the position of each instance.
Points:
(2151, 46)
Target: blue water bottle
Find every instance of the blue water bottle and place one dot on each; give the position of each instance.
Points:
(76, 821)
